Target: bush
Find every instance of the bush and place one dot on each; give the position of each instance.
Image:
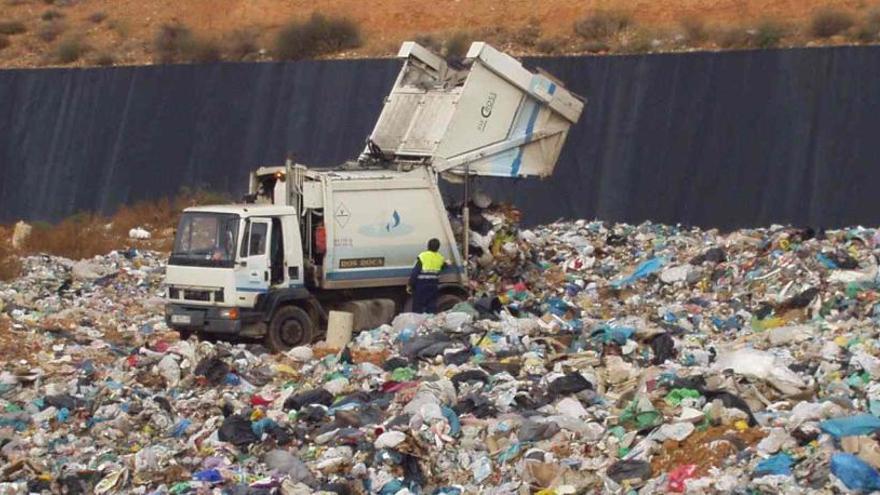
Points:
(736, 37)
(50, 31)
(829, 22)
(548, 46)
(105, 59)
(452, 46)
(603, 25)
(768, 34)
(429, 41)
(242, 44)
(694, 30)
(528, 36)
(456, 45)
(638, 41)
(204, 51)
(173, 42)
(595, 47)
(98, 17)
(4, 41)
(318, 35)
(869, 30)
(120, 26)
(51, 15)
(70, 50)
(12, 27)
(176, 43)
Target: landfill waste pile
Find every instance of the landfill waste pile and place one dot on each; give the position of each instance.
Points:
(618, 359)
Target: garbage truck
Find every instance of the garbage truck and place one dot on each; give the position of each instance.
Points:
(306, 240)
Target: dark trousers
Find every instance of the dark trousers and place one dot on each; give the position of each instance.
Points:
(425, 295)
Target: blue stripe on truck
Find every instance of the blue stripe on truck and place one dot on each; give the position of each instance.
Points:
(364, 274)
(378, 273)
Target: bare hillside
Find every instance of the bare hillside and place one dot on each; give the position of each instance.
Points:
(105, 32)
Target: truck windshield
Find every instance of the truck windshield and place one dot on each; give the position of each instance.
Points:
(206, 239)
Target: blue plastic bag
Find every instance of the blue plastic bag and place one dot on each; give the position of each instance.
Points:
(855, 473)
(391, 487)
(778, 464)
(447, 490)
(454, 422)
(646, 268)
(180, 428)
(849, 426)
(209, 475)
(607, 334)
(262, 425)
(826, 261)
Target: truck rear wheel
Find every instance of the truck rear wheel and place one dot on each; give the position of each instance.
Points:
(447, 301)
(290, 327)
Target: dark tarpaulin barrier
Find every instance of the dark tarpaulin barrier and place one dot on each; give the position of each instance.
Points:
(713, 139)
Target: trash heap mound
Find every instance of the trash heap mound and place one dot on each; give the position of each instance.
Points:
(619, 359)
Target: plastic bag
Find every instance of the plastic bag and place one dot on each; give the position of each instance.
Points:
(855, 473)
(862, 424)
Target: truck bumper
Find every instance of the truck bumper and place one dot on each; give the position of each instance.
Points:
(203, 319)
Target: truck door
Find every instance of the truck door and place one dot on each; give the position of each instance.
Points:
(255, 253)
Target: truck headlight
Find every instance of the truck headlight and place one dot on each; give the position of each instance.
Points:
(229, 313)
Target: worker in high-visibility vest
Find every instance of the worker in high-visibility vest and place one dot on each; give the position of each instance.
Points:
(425, 278)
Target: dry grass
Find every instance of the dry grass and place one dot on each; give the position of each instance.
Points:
(4, 41)
(10, 266)
(87, 234)
(80, 236)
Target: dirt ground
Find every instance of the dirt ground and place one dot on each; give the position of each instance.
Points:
(126, 29)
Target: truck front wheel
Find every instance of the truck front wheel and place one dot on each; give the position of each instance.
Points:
(290, 327)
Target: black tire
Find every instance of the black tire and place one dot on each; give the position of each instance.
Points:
(290, 327)
(183, 333)
(447, 301)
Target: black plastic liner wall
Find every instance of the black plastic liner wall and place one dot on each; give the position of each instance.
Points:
(712, 139)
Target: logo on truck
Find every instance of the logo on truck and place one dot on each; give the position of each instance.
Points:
(393, 227)
(486, 111)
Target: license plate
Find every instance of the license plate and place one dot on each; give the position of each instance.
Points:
(181, 319)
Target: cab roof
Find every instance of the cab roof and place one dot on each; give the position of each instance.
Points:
(245, 210)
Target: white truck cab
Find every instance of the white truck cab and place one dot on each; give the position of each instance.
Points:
(311, 240)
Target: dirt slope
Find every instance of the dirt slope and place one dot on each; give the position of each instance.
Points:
(126, 32)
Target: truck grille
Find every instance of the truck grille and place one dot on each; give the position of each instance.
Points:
(197, 295)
